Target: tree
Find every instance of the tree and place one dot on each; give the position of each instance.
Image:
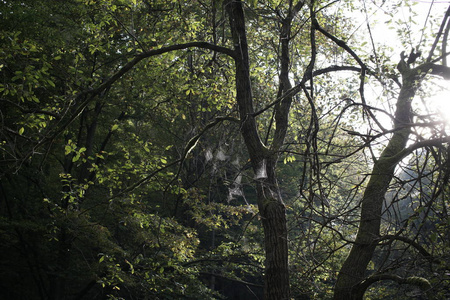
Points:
(352, 281)
(138, 135)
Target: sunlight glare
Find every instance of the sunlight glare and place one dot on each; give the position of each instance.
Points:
(441, 102)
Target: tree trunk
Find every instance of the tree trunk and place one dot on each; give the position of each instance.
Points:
(273, 216)
(271, 207)
(354, 268)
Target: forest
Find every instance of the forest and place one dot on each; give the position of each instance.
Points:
(224, 149)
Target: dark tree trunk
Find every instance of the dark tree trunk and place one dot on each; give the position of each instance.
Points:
(273, 216)
(270, 204)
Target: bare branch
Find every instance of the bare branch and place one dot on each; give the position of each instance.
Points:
(143, 180)
(341, 44)
(439, 70)
(444, 44)
(410, 242)
(420, 282)
(422, 144)
(246, 283)
(364, 68)
(438, 35)
(194, 140)
(32, 111)
(159, 51)
(297, 88)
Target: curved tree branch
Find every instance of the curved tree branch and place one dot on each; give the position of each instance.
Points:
(86, 96)
(406, 151)
(341, 44)
(246, 283)
(154, 52)
(410, 242)
(297, 88)
(194, 140)
(420, 282)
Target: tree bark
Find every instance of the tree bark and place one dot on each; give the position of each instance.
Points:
(270, 204)
(353, 271)
(273, 217)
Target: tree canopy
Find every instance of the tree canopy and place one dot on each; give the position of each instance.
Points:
(189, 149)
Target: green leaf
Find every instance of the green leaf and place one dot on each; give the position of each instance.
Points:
(51, 83)
(67, 149)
